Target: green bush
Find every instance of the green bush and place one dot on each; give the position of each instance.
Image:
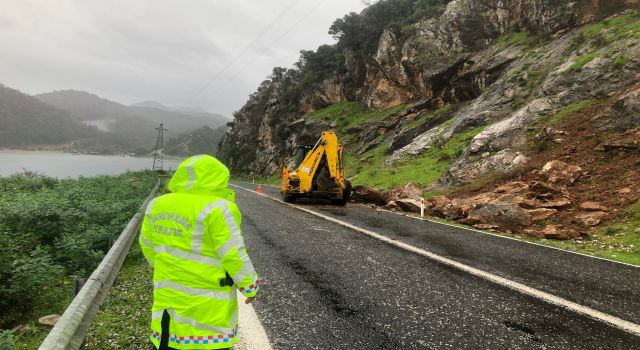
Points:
(52, 228)
(6, 340)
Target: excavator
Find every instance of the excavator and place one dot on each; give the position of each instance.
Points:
(318, 173)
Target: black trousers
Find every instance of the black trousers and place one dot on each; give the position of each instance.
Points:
(164, 336)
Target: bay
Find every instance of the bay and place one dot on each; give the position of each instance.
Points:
(67, 165)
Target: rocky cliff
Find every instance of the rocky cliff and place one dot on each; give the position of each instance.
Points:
(482, 94)
(451, 59)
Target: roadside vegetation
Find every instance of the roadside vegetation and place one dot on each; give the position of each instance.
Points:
(53, 231)
(123, 320)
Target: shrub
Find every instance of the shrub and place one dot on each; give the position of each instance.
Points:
(24, 276)
(51, 228)
(6, 340)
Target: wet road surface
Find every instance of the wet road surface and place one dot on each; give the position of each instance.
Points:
(327, 286)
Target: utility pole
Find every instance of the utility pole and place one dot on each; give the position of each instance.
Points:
(158, 154)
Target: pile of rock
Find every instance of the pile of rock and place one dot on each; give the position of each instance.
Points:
(513, 207)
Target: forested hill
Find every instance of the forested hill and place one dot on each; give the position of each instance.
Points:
(26, 121)
(80, 121)
(89, 107)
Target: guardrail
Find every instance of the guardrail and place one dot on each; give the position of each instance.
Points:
(70, 331)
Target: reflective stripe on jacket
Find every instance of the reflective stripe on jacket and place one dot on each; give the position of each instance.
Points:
(192, 238)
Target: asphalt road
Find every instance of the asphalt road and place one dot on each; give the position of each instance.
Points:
(327, 286)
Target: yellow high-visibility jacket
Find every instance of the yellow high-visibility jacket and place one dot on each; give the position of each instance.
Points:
(192, 239)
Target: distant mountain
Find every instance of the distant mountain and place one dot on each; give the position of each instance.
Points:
(86, 106)
(127, 128)
(202, 141)
(26, 121)
(150, 104)
(83, 105)
(193, 111)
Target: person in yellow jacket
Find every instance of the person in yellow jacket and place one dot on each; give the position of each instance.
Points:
(192, 239)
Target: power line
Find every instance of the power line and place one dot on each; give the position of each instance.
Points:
(286, 32)
(233, 60)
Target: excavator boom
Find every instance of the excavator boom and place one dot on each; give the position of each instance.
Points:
(320, 174)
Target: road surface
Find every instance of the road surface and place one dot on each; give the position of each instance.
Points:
(327, 286)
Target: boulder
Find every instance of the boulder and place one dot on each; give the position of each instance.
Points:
(49, 320)
(541, 214)
(543, 187)
(504, 216)
(437, 202)
(561, 173)
(409, 190)
(589, 219)
(555, 232)
(546, 203)
(393, 206)
(365, 194)
(443, 207)
(592, 206)
(408, 204)
(513, 187)
(512, 198)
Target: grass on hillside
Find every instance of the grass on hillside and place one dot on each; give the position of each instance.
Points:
(569, 110)
(430, 116)
(623, 26)
(516, 39)
(349, 114)
(422, 169)
(582, 61)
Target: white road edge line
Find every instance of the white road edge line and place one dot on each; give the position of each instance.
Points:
(251, 334)
(485, 232)
(614, 321)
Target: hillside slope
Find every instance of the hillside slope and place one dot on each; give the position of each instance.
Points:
(89, 107)
(25, 121)
(465, 99)
(77, 120)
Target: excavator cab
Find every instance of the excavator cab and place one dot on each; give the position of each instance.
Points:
(318, 172)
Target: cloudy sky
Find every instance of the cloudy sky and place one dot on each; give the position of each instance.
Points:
(201, 53)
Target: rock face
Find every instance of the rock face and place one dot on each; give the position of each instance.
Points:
(503, 216)
(365, 194)
(451, 59)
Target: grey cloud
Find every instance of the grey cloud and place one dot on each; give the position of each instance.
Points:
(131, 51)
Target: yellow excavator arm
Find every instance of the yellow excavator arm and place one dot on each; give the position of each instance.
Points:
(320, 174)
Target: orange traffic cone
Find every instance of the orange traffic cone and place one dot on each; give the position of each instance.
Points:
(259, 190)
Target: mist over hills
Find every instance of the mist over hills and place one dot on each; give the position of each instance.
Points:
(25, 121)
(81, 121)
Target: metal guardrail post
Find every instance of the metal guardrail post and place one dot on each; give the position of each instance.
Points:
(71, 329)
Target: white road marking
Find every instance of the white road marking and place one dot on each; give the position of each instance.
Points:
(513, 285)
(251, 334)
(462, 227)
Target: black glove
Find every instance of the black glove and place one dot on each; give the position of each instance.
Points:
(227, 281)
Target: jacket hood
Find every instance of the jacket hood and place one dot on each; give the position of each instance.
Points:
(202, 174)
